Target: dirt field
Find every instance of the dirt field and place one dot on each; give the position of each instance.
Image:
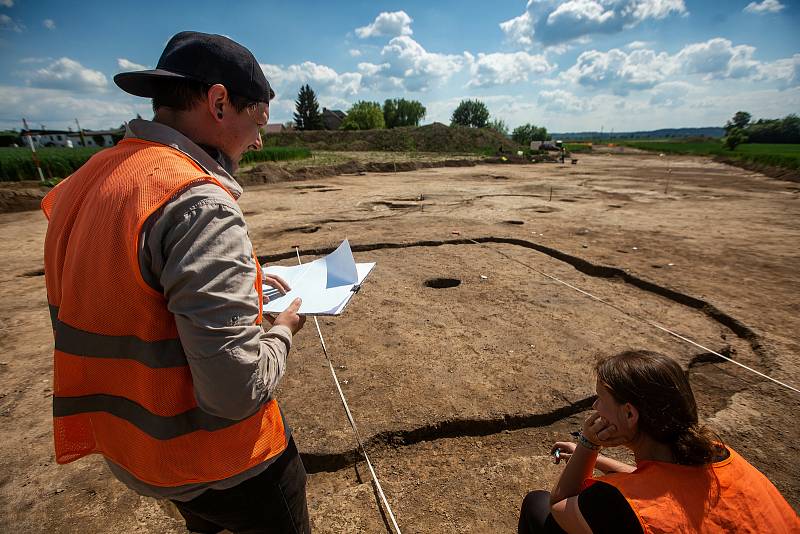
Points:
(460, 391)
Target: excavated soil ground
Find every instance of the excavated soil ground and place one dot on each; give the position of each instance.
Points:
(460, 391)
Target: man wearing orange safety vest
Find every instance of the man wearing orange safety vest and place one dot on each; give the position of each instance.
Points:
(155, 293)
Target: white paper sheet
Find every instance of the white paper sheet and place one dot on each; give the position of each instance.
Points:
(326, 285)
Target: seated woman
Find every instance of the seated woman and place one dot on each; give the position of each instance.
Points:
(683, 480)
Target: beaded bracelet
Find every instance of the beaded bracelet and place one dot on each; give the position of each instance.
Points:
(583, 440)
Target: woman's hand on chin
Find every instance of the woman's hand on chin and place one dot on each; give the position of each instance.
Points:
(600, 431)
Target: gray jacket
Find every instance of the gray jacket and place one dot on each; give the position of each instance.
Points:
(197, 252)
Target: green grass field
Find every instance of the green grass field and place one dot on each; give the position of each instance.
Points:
(699, 148)
(781, 150)
(16, 164)
(578, 148)
(276, 153)
(783, 155)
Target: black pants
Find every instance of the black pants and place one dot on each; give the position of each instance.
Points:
(273, 502)
(535, 516)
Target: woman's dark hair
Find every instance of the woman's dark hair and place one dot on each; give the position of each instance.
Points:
(657, 386)
(183, 95)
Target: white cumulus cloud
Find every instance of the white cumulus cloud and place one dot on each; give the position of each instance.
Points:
(387, 24)
(670, 94)
(501, 68)
(377, 77)
(49, 24)
(619, 71)
(58, 109)
(321, 78)
(767, 6)
(7, 3)
(416, 68)
(636, 11)
(786, 71)
(519, 29)
(355, 52)
(66, 73)
(552, 22)
(559, 100)
(128, 65)
(718, 58)
(638, 45)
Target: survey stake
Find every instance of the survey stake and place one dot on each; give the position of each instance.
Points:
(326, 285)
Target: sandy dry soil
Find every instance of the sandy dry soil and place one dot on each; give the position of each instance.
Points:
(459, 392)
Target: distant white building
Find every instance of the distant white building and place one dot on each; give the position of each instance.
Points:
(63, 138)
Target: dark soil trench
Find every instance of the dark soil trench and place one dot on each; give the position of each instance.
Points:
(472, 427)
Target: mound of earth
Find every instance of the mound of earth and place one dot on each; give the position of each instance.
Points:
(27, 196)
(21, 196)
(434, 137)
(268, 173)
(781, 173)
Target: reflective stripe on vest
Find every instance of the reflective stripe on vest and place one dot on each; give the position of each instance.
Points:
(161, 353)
(730, 496)
(156, 426)
(122, 384)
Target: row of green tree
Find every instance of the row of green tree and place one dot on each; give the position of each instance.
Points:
(475, 114)
(395, 112)
(741, 129)
(364, 115)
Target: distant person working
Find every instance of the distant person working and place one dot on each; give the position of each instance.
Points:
(684, 480)
(155, 292)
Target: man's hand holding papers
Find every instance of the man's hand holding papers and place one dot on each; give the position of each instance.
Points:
(325, 285)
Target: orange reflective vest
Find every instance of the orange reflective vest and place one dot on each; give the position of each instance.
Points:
(122, 384)
(731, 496)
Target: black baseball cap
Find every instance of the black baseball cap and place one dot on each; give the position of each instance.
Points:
(205, 58)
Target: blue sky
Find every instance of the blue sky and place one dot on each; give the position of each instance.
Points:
(568, 65)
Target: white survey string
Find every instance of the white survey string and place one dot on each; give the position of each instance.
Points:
(643, 319)
(352, 421)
